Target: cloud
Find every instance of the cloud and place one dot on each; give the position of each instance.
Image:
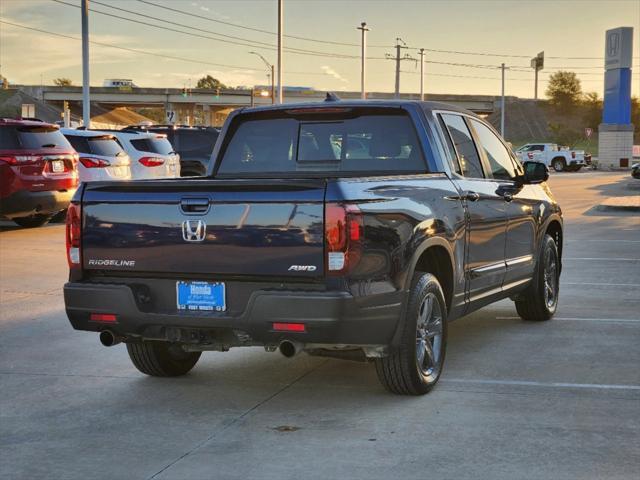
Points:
(330, 71)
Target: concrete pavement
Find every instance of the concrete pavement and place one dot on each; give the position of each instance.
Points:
(557, 400)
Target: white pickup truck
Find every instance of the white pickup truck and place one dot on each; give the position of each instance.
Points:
(561, 159)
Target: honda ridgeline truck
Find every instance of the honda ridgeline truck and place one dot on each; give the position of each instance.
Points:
(349, 229)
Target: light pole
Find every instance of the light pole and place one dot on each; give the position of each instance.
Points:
(364, 29)
(422, 74)
(273, 81)
(280, 26)
(86, 105)
(502, 104)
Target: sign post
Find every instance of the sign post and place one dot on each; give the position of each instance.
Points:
(537, 63)
(615, 133)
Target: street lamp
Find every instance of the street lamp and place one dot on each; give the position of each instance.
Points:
(270, 67)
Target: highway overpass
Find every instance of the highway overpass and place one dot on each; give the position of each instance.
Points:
(211, 107)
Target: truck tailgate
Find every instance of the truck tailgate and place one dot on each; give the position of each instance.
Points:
(228, 227)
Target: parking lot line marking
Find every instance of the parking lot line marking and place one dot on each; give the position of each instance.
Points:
(603, 284)
(526, 383)
(604, 241)
(583, 319)
(605, 259)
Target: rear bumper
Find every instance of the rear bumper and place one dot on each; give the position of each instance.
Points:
(24, 203)
(329, 317)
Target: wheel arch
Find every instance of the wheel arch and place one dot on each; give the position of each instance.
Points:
(435, 256)
(554, 229)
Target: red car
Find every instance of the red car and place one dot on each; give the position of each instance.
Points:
(38, 174)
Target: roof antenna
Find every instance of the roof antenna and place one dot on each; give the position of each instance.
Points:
(332, 97)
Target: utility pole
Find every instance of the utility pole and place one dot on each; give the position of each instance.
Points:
(86, 105)
(502, 104)
(363, 27)
(422, 74)
(273, 78)
(400, 44)
(280, 25)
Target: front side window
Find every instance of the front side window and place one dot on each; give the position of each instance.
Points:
(499, 159)
(463, 141)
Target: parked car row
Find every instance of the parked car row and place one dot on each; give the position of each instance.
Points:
(41, 165)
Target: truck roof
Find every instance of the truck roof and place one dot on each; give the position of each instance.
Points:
(427, 106)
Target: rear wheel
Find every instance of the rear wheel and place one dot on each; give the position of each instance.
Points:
(558, 164)
(161, 359)
(540, 300)
(32, 221)
(414, 367)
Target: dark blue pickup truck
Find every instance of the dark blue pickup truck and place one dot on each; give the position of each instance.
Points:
(349, 229)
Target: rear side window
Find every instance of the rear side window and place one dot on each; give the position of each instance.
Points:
(159, 145)
(9, 138)
(350, 141)
(36, 137)
(463, 141)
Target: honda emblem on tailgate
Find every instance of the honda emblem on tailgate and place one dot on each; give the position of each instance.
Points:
(194, 230)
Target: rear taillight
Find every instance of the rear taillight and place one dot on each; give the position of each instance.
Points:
(151, 161)
(20, 159)
(90, 162)
(343, 231)
(573, 154)
(73, 230)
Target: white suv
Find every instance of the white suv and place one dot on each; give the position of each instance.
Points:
(152, 156)
(100, 155)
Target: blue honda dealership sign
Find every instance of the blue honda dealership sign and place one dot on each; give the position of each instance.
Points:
(617, 77)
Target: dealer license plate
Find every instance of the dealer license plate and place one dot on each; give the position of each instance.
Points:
(201, 296)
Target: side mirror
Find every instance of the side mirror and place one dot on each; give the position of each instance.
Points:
(534, 172)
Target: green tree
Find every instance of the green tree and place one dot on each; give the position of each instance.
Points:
(592, 110)
(210, 83)
(635, 118)
(62, 82)
(564, 90)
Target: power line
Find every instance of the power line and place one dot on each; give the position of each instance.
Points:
(145, 52)
(254, 29)
(245, 42)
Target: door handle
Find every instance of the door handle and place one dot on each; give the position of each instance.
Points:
(470, 196)
(194, 205)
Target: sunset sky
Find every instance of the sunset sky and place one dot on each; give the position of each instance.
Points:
(502, 31)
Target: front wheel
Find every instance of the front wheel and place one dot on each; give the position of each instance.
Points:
(414, 367)
(161, 359)
(558, 164)
(540, 300)
(32, 221)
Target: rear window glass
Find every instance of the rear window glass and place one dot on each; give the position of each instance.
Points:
(159, 145)
(365, 142)
(106, 146)
(195, 142)
(41, 137)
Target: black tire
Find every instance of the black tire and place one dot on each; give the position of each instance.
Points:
(558, 164)
(537, 303)
(161, 359)
(402, 372)
(32, 221)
